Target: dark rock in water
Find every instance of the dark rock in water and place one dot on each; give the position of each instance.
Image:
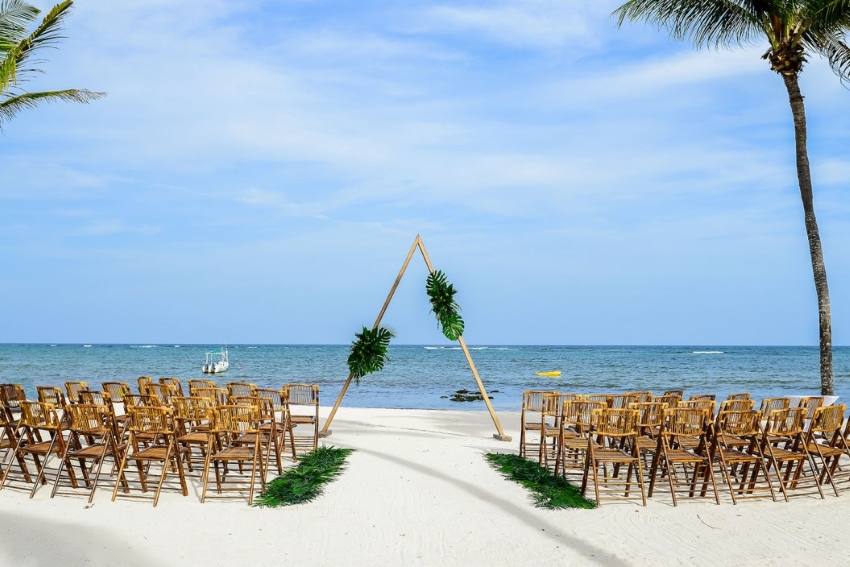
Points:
(443, 397)
(466, 396)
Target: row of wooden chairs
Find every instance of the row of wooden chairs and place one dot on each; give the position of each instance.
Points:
(686, 443)
(232, 424)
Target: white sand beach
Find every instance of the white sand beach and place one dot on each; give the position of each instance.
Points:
(417, 491)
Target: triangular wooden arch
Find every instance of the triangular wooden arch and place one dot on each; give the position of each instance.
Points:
(500, 435)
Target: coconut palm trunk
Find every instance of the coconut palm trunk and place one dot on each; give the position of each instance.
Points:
(804, 176)
(794, 29)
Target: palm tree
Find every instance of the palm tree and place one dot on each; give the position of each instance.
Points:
(793, 28)
(17, 47)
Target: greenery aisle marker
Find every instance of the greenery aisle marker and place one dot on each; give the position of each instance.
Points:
(304, 482)
(550, 491)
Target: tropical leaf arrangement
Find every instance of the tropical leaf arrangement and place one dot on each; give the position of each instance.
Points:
(443, 305)
(305, 482)
(548, 490)
(369, 352)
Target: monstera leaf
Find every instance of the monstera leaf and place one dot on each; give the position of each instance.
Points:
(443, 305)
(369, 352)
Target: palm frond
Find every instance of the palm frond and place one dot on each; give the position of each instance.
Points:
(831, 12)
(443, 305)
(712, 23)
(12, 105)
(14, 17)
(47, 33)
(836, 50)
(369, 353)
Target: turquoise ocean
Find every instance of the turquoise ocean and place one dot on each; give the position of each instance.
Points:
(426, 376)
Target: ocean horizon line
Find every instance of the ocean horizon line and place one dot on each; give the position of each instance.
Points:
(421, 345)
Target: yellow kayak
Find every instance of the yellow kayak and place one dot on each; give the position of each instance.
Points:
(552, 373)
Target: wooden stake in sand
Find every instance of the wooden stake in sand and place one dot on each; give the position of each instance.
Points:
(418, 244)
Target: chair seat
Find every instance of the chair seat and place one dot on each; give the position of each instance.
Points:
(681, 456)
(736, 456)
(303, 419)
(194, 437)
(825, 450)
(577, 443)
(242, 453)
(40, 448)
(154, 453)
(786, 455)
(91, 452)
(647, 443)
(612, 455)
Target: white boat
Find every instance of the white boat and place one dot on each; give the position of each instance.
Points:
(213, 366)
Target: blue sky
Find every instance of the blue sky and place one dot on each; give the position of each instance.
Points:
(260, 169)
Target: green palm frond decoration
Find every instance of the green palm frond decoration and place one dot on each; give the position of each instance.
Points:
(369, 352)
(443, 305)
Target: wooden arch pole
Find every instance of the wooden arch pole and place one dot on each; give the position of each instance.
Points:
(501, 434)
(418, 244)
(325, 431)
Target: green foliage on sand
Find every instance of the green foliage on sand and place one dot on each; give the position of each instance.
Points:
(304, 482)
(549, 491)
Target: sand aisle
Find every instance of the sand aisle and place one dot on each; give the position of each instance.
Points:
(417, 492)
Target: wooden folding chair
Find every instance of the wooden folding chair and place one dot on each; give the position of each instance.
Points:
(283, 424)
(641, 395)
(91, 439)
(648, 423)
(216, 396)
(37, 417)
(575, 434)
(117, 390)
(683, 449)
(201, 384)
(738, 449)
(604, 398)
(267, 430)
(73, 389)
(240, 390)
(8, 441)
(738, 404)
(770, 404)
(193, 415)
(622, 401)
(615, 431)
(52, 395)
(824, 441)
(160, 392)
(157, 423)
(530, 418)
(174, 384)
(55, 396)
(551, 428)
(303, 397)
(696, 397)
(231, 422)
(784, 445)
(10, 397)
(705, 404)
(144, 382)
